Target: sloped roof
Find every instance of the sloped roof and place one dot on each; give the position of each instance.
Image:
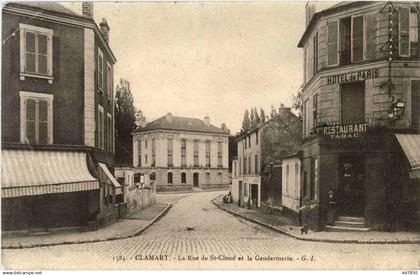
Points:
(47, 6)
(177, 123)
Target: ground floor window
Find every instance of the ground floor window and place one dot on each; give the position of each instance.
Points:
(170, 178)
(220, 178)
(208, 178)
(183, 177)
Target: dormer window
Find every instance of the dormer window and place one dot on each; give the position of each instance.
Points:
(35, 52)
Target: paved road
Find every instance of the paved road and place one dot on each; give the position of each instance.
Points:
(193, 228)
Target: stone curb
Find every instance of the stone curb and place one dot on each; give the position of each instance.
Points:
(136, 233)
(407, 241)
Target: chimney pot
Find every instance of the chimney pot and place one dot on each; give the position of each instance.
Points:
(105, 29)
(207, 120)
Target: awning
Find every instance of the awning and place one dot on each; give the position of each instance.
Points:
(29, 173)
(411, 145)
(111, 179)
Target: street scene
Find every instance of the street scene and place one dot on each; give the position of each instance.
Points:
(210, 135)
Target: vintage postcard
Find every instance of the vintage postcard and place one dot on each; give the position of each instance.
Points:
(210, 135)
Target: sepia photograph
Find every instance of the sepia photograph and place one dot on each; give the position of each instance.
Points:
(210, 135)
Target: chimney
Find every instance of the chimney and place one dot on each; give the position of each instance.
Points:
(310, 11)
(87, 9)
(105, 30)
(169, 117)
(207, 120)
(283, 109)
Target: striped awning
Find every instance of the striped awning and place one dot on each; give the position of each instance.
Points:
(111, 179)
(410, 143)
(30, 172)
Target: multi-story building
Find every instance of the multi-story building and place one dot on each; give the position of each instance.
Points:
(259, 150)
(181, 153)
(361, 108)
(57, 118)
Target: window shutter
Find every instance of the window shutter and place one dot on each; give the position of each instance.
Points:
(371, 36)
(49, 55)
(414, 33)
(357, 38)
(43, 121)
(404, 41)
(22, 50)
(30, 120)
(332, 46)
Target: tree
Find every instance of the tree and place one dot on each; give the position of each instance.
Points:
(298, 102)
(246, 123)
(252, 118)
(262, 115)
(126, 117)
(257, 117)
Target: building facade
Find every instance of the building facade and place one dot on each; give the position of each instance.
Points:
(182, 153)
(255, 182)
(57, 118)
(291, 188)
(361, 101)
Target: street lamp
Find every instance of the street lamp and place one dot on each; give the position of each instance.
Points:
(396, 111)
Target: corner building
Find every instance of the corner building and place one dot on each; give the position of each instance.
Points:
(354, 141)
(182, 153)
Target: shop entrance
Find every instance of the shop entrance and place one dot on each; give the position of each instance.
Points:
(351, 201)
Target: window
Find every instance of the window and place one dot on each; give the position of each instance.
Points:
(139, 152)
(315, 53)
(297, 180)
(245, 165)
(414, 33)
(314, 178)
(219, 176)
(109, 130)
(357, 38)
(145, 144)
(100, 70)
(196, 153)
(184, 153)
(332, 43)
(36, 51)
(219, 154)
(404, 31)
(249, 141)
(145, 159)
(100, 127)
(245, 142)
(208, 153)
(315, 110)
(207, 178)
(153, 152)
(170, 178)
(183, 177)
(287, 179)
(109, 81)
(36, 118)
(170, 147)
(256, 137)
(249, 165)
(257, 170)
(240, 166)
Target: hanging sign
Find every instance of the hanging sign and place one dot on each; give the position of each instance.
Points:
(344, 131)
(353, 76)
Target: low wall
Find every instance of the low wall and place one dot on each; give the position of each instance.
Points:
(138, 198)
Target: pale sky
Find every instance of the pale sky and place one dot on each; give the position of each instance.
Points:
(196, 58)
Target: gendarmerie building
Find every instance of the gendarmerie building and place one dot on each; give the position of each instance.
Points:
(57, 119)
(182, 153)
(361, 106)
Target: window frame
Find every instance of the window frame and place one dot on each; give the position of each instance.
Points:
(109, 81)
(23, 29)
(100, 72)
(408, 32)
(100, 128)
(337, 44)
(24, 95)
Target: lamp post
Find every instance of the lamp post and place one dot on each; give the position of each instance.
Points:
(396, 111)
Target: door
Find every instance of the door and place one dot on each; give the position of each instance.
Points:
(254, 194)
(415, 104)
(352, 102)
(240, 193)
(195, 179)
(351, 201)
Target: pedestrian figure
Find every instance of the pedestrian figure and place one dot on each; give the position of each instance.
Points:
(228, 198)
(331, 208)
(306, 208)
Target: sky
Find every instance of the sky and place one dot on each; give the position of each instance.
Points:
(206, 58)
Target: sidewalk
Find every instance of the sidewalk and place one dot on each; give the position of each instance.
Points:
(132, 226)
(283, 225)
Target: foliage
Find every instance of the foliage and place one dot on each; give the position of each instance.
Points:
(298, 102)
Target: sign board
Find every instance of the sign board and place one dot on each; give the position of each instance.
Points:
(344, 131)
(353, 76)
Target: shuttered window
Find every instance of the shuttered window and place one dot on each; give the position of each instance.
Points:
(43, 121)
(371, 44)
(100, 70)
(109, 131)
(30, 120)
(414, 33)
(315, 53)
(100, 127)
(357, 38)
(332, 47)
(404, 26)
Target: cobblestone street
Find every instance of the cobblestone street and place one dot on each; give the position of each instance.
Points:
(195, 228)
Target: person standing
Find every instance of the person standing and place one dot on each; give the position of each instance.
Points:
(331, 208)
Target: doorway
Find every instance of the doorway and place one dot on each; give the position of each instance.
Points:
(240, 193)
(254, 194)
(195, 180)
(351, 201)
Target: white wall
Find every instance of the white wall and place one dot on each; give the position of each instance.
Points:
(291, 183)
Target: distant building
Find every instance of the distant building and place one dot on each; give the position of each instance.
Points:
(181, 153)
(57, 119)
(361, 109)
(258, 151)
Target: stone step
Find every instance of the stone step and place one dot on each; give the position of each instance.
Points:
(350, 219)
(346, 229)
(350, 224)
